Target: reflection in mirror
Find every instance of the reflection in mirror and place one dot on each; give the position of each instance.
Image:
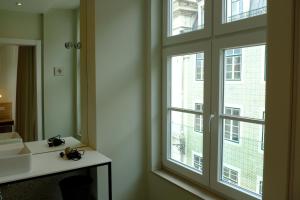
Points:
(40, 69)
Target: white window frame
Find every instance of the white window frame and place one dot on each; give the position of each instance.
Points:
(190, 36)
(235, 26)
(181, 44)
(203, 46)
(250, 38)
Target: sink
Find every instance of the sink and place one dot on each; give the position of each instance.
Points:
(12, 137)
(14, 159)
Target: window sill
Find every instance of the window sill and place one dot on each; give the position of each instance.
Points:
(187, 186)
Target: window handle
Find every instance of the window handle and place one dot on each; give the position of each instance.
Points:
(212, 116)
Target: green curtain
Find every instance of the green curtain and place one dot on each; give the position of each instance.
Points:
(26, 102)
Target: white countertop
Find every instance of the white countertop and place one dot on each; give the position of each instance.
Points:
(49, 163)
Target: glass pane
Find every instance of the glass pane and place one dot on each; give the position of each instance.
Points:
(186, 16)
(186, 144)
(242, 9)
(243, 160)
(245, 88)
(185, 89)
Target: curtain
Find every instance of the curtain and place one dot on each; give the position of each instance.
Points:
(26, 103)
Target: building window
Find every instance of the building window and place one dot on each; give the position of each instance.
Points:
(260, 191)
(236, 7)
(232, 127)
(233, 62)
(186, 16)
(198, 126)
(199, 67)
(262, 146)
(197, 161)
(230, 175)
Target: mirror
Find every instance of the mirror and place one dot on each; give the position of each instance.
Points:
(40, 68)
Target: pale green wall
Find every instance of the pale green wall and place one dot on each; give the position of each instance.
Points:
(120, 90)
(20, 25)
(59, 91)
(160, 189)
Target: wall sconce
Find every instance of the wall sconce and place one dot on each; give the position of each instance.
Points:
(1, 96)
(75, 45)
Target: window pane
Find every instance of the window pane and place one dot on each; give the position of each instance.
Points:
(186, 16)
(245, 159)
(186, 91)
(246, 88)
(242, 9)
(185, 143)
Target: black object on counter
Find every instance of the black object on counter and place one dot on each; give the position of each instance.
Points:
(55, 141)
(72, 153)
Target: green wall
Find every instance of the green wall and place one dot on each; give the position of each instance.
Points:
(20, 25)
(120, 90)
(59, 91)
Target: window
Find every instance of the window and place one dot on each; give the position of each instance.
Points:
(198, 126)
(233, 60)
(243, 127)
(197, 161)
(186, 16)
(232, 127)
(231, 176)
(236, 8)
(184, 115)
(199, 67)
(242, 9)
(260, 187)
(212, 84)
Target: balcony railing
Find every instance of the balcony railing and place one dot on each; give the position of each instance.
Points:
(244, 15)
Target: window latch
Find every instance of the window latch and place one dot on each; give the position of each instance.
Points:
(212, 116)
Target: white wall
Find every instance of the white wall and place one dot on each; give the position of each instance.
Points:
(120, 90)
(8, 75)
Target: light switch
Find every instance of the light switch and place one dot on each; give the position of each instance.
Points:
(58, 71)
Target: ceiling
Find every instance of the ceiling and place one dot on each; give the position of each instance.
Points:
(38, 6)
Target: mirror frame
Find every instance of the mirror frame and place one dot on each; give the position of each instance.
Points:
(88, 73)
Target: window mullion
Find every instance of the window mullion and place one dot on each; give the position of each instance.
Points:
(243, 119)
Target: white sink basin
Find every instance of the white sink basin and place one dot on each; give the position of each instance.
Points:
(14, 159)
(8, 138)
